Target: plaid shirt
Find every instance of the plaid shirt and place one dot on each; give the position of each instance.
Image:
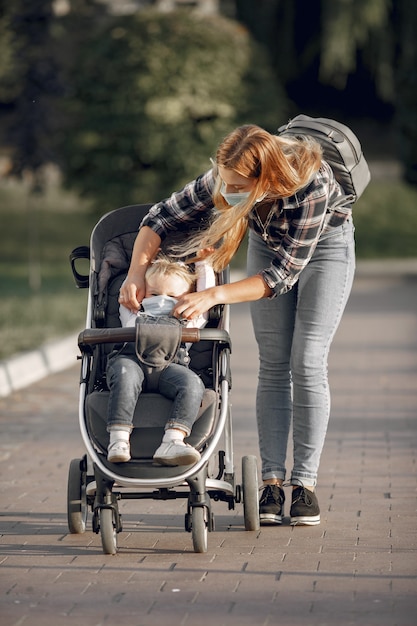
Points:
(295, 227)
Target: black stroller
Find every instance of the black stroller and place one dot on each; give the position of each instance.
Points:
(98, 485)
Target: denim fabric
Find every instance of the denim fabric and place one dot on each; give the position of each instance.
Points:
(294, 332)
(126, 380)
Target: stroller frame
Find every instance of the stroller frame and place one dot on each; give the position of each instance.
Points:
(96, 484)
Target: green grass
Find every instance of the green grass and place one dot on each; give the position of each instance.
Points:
(39, 299)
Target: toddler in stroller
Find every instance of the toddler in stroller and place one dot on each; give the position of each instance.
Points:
(127, 374)
(98, 483)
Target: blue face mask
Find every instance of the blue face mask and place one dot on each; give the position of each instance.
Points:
(158, 305)
(234, 198)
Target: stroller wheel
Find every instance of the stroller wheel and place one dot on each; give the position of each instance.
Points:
(108, 531)
(76, 497)
(199, 528)
(250, 492)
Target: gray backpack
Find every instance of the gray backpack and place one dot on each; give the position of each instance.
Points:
(341, 150)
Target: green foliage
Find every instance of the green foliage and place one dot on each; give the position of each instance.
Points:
(29, 318)
(386, 221)
(154, 93)
(9, 87)
(348, 27)
(29, 84)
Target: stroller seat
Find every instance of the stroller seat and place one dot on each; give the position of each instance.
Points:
(152, 409)
(151, 413)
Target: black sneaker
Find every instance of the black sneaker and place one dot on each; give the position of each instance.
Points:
(271, 505)
(304, 508)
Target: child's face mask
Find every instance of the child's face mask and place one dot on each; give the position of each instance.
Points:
(158, 305)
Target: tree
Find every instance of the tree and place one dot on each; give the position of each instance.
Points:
(30, 85)
(406, 86)
(323, 42)
(153, 93)
(351, 59)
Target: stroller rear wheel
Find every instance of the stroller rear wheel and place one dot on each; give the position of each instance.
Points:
(250, 492)
(76, 497)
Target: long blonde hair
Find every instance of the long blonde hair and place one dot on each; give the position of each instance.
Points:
(279, 166)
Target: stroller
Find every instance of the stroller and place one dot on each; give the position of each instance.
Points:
(96, 484)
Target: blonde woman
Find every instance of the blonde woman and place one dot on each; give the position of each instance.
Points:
(300, 269)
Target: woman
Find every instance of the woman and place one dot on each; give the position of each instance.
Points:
(300, 272)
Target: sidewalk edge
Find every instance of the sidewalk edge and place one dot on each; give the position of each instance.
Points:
(22, 370)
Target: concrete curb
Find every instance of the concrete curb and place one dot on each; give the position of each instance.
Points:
(27, 368)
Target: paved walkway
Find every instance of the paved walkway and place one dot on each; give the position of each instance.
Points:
(358, 567)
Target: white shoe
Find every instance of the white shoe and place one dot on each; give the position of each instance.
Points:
(118, 452)
(176, 453)
(91, 488)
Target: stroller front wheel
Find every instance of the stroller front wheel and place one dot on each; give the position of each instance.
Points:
(76, 497)
(108, 531)
(199, 528)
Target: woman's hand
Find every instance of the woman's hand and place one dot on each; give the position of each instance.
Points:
(132, 293)
(191, 305)
(194, 304)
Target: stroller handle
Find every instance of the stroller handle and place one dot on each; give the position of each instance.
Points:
(94, 336)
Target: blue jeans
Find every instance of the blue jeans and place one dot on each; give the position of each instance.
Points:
(126, 380)
(294, 332)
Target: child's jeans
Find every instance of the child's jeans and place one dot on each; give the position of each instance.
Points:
(126, 380)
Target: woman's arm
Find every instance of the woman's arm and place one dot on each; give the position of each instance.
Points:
(194, 304)
(191, 207)
(146, 246)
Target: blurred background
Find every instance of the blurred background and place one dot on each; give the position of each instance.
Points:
(105, 103)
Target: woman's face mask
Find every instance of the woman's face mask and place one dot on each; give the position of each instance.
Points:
(234, 198)
(158, 305)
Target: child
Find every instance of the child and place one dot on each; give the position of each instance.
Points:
(166, 281)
